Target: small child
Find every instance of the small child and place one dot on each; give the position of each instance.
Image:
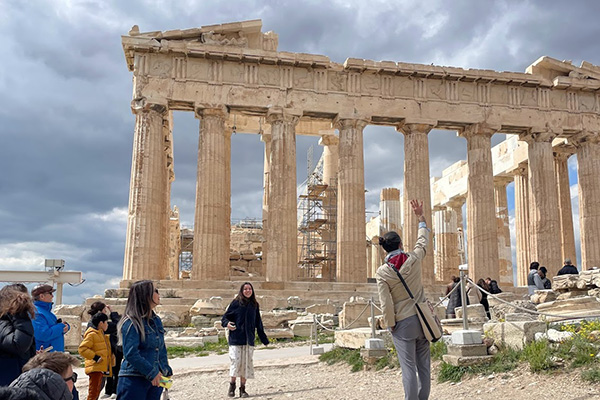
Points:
(95, 348)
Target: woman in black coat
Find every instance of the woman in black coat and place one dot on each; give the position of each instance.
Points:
(242, 318)
(17, 344)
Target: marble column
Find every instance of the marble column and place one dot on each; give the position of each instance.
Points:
(522, 231)
(446, 235)
(172, 269)
(565, 209)
(505, 267)
(266, 139)
(482, 233)
(213, 197)
(145, 253)
(417, 187)
(456, 205)
(330, 145)
(174, 243)
(389, 211)
(588, 160)
(543, 202)
(351, 257)
(282, 232)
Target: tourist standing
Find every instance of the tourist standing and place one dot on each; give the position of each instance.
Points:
(399, 311)
(142, 336)
(242, 318)
(493, 285)
(49, 331)
(110, 389)
(568, 268)
(455, 299)
(95, 348)
(543, 273)
(484, 296)
(533, 278)
(17, 344)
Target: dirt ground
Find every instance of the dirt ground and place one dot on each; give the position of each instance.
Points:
(318, 381)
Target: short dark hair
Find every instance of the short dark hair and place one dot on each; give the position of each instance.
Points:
(534, 265)
(99, 317)
(390, 241)
(56, 361)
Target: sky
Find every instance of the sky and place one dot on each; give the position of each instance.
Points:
(66, 128)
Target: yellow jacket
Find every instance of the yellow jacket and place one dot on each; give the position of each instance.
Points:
(96, 343)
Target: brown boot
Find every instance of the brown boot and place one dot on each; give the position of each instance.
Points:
(231, 392)
(243, 391)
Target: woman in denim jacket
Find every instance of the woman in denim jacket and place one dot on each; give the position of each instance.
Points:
(141, 333)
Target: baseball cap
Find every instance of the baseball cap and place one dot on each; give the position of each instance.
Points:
(41, 289)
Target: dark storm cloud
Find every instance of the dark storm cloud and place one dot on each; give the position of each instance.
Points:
(67, 130)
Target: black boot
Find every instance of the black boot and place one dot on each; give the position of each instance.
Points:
(231, 392)
(243, 391)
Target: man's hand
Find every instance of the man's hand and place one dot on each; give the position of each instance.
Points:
(156, 380)
(418, 209)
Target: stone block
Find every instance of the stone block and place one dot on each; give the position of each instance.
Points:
(184, 341)
(575, 307)
(468, 350)
(379, 324)
(355, 338)
(564, 282)
(189, 331)
(513, 334)
(321, 309)
(369, 354)
(594, 292)
(279, 333)
(374, 344)
(465, 337)
(269, 303)
(74, 336)
(351, 312)
(275, 319)
(292, 301)
(316, 350)
(459, 361)
(440, 311)
(302, 329)
(208, 307)
(173, 318)
(473, 311)
(66, 309)
(203, 321)
(210, 339)
(543, 296)
(506, 296)
(572, 293)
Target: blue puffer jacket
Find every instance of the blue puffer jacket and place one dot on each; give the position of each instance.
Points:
(246, 318)
(48, 332)
(146, 358)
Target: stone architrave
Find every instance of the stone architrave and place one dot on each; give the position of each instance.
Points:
(417, 187)
(281, 232)
(446, 234)
(145, 248)
(522, 223)
(543, 201)
(351, 255)
(330, 145)
(213, 197)
(565, 210)
(482, 233)
(505, 267)
(266, 138)
(588, 160)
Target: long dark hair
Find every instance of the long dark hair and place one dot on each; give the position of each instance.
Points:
(138, 307)
(481, 283)
(14, 302)
(243, 299)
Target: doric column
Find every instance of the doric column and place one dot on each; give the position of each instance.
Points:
(522, 231)
(588, 160)
(456, 205)
(389, 211)
(145, 252)
(565, 209)
(417, 187)
(505, 267)
(330, 145)
(174, 243)
(351, 257)
(266, 138)
(213, 197)
(446, 241)
(282, 231)
(543, 202)
(482, 234)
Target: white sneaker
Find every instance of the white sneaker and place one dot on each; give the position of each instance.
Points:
(113, 396)
(105, 396)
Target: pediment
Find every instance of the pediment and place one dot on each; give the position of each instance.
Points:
(565, 74)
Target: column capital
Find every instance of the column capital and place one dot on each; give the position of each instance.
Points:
(203, 111)
(563, 153)
(521, 170)
(142, 104)
(342, 122)
(544, 133)
(410, 128)
(456, 202)
(479, 129)
(584, 137)
(329, 140)
(266, 136)
(281, 114)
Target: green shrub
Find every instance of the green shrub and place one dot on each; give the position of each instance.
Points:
(539, 356)
(338, 354)
(438, 349)
(450, 373)
(579, 351)
(591, 375)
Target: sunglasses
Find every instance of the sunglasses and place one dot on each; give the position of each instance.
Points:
(71, 378)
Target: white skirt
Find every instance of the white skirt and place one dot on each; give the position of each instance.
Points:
(241, 361)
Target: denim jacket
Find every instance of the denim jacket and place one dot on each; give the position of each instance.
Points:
(146, 358)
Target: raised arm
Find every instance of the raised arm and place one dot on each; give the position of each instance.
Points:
(423, 234)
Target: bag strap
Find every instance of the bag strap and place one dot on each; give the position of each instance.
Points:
(403, 282)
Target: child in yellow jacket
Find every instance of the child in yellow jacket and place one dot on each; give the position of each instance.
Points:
(95, 348)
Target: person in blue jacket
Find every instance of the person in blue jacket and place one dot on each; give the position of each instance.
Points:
(242, 318)
(145, 365)
(49, 331)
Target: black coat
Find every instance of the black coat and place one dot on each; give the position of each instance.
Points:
(17, 346)
(48, 385)
(247, 321)
(567, 270)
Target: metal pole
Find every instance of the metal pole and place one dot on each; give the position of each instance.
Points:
(373, 333)
(316, 330)
(463, 296)
(59, 294)
(311, 334)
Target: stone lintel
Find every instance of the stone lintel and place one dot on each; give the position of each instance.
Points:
(212, 110)
(503, 180)
(584, 136)
(545, 133)
(479, 129)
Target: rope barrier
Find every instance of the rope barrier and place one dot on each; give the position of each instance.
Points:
(446, 296)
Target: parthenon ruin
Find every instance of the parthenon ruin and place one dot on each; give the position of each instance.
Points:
(232, 76)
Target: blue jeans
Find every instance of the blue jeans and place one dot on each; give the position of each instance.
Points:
(137, 387)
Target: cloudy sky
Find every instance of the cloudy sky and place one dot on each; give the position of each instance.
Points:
(67, 129)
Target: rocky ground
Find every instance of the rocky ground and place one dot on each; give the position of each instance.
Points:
(312, 381)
